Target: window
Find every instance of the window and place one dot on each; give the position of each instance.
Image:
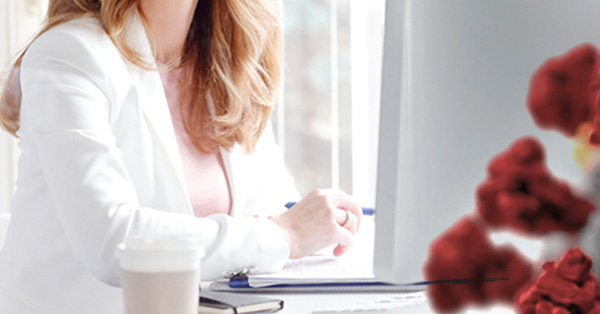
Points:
(327, 119)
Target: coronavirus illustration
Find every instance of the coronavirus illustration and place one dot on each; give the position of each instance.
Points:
(566, 286)
(466, 268)
(522, 195)
(561, 95)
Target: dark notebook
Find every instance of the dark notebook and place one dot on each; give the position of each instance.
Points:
(224, 303)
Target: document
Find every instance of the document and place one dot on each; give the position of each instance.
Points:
(322, 272)
(356, 263)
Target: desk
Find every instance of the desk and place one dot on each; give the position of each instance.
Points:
(329, 303)
(308, 303)
(344, 303)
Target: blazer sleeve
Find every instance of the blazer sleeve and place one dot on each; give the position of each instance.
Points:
(65, 110)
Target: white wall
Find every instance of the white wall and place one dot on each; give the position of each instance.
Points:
(19, 19)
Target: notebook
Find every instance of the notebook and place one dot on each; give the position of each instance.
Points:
(229, 303)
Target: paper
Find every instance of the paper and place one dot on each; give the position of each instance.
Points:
(356, 263)
(324, 266)
(405, 303)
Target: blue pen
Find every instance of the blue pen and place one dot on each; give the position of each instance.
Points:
(367, 211)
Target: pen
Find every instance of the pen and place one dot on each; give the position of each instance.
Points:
(367, 211)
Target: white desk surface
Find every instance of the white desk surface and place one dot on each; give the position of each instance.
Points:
(356, 262)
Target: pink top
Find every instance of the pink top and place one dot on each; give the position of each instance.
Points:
(204, 173)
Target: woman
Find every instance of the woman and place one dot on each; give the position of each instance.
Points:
(113, 147)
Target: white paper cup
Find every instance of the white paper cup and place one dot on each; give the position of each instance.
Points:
(160, 274)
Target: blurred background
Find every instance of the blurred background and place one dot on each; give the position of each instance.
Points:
(328, 110)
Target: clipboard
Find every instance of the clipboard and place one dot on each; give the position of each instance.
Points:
(257, 284)
(245, 283)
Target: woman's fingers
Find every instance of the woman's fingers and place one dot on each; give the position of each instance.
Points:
(347, 219)
(342, 216)
(322, 218)
(345, 241)
(344, 201)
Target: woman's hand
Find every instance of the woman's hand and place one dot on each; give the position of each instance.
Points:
(321, 219)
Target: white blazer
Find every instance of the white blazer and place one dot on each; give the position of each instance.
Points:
(99, 162)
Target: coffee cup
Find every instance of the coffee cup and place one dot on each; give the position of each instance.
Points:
(160, 274)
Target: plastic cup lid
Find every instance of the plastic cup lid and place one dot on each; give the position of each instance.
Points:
(160, 253)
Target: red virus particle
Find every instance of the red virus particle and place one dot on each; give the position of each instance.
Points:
(594, 136)
(520, 194)
(465, 268)
(561, 95)
(564, 287)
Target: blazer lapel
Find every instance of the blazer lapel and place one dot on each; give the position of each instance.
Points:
(154, 105)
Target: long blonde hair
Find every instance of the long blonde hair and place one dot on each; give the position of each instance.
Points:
(232, 58)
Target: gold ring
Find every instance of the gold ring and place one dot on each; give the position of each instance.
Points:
(347, 218)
